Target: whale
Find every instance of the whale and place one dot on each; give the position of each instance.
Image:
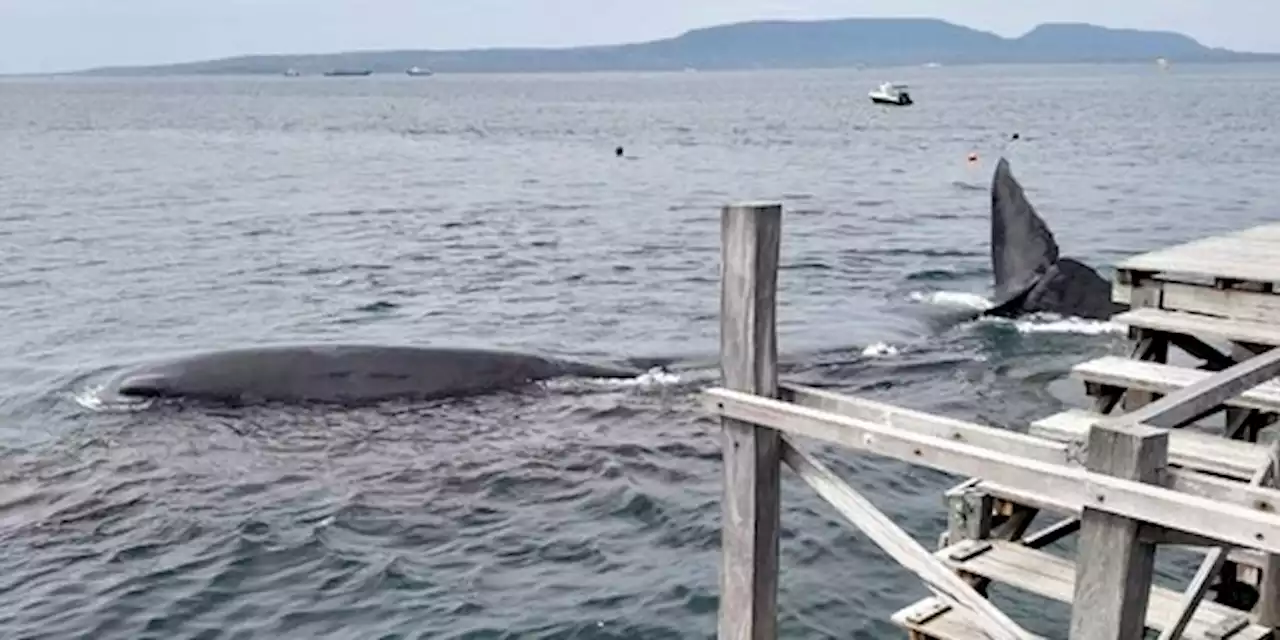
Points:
(346, 374)
(1030, 274)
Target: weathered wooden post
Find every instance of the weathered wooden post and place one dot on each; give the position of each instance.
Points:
(1114, 566)
(750, 245)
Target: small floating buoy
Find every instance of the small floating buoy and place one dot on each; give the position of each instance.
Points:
(1016, 135)
(618, 152)
(973, 157)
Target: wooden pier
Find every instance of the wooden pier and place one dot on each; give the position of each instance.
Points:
(1137, 470)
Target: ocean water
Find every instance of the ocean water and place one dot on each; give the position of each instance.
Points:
(144, 218)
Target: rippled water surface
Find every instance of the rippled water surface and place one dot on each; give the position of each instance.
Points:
(146, 218)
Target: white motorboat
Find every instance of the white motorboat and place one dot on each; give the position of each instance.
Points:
(891, 93)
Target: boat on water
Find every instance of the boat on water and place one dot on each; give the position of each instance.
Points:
(348, 72)
(291, 73)
(419, 71)
(891, 93)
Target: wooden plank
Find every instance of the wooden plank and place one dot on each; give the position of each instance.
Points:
(1113, 586)
(1053, 533)
(1213, 561)
(1239, 515)
(1232, 304)
(750, 246)
(1053, 577)
(934, 619)
(894, 417)
(1189, 449)
(1200, 325)
(1247, 557)
(969, 514)
(887, 535)
(1157, 351)
(1164, 378)
(1268, 609)
(1249, 255)
(1194, 401)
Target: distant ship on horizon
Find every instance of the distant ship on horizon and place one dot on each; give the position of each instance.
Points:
(419, 71)
(348, 72)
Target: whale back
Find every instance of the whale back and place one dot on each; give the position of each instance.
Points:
(1072, 288)
(344, 374)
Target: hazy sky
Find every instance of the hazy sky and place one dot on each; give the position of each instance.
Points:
(49, 35)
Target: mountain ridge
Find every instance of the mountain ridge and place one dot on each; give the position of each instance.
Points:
(759, 44)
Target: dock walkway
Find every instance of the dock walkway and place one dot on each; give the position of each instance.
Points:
(1138, 469)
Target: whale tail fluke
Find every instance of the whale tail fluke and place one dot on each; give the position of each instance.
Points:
(1022, 246)
(1030, 276)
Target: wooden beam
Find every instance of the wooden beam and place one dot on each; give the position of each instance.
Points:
(1192, 324)
(1227, 304)
(1123, 372)
(1236, 514)
(1151, 533)
(899, 544)
(1187, 448)
(750, 247)
(1212, 563)
(920, 422)
(1157, 350)
(1214, 360)
(1114, 567)
(1190, 403)
(1052, 533)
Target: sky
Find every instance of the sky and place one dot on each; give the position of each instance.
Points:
(61, 35)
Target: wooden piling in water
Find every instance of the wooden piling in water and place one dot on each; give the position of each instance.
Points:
(1113, 588)
(750, 246)
(1125, 482)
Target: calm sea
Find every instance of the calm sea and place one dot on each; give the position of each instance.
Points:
(141, 218)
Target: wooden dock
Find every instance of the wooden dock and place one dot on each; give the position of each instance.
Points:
(1137, 470)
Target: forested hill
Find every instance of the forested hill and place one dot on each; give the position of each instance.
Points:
(758, 45)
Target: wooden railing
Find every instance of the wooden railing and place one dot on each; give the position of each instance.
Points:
(1128, 497)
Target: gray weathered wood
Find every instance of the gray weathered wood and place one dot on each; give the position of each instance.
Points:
(1249, 255)
(750, 247)
(1052, 576)
(1153, 533)
(1114, 569)
(899, 544)
(1188, 449)
(1052, 533)
(1267, 611)
(1158, 352)
(1229, 304)
(920, 422)
(1218, 509)
(1123, 372)
(1213, 562)
(968, 514)
(1190, 403)
(934, 619)
(1200, 325)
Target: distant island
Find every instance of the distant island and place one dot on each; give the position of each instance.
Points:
(756, 45)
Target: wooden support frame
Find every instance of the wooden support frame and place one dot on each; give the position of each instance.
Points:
(1214, 561)
(1127, 496)
(1193, 402)
(1236, 514)
(1113, 586)
(948, 586)
(750, 248)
